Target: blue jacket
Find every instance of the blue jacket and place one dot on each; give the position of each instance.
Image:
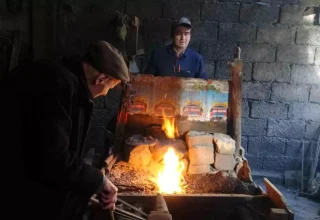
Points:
(164, 62)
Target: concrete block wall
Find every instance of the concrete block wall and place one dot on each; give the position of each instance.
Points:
(280, 42)
(280, 48)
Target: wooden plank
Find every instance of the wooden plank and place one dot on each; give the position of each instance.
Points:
(277, 198)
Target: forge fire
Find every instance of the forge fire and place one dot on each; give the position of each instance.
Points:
(197, 162)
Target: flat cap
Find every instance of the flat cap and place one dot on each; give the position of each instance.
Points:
(105, 58)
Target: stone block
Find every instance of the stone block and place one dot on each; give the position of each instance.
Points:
(269, 72)
(244, 108)
(209, 68)
(286, 129)
(259, 13)
(201, 154)
(140, 156)
(198, 169)
(256, 90)
(290, 92)
(220, 11)
(317, 62)
(196, 137)
(174, 9)
(258, 52)
(312, 130)
(237, 32)
(294, 148)
(224, 144)
(315, 94)
(308, 35)
(144, 8)
(309, 3)
(204, 31)
(266, 146)
(269, 110)
(224, 162)
(254, 127)
(223, 71)
(292, 14)
(306, 111)
(276, 34)
(254, 161)
(159, 29)
(296, 54)
(280, 163)
(305, 74)
(213, 50)
(244, 143)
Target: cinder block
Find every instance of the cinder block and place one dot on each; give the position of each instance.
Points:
(224, 162)
(224, 144)
(305, 74)
(292, 14)
(204, 31)
(256, 90)
(269, 72)
(269, 110)
(276, 34)
(266, 146)
(217, 50)
(201, 155)
(296, 54)
(195, 137)
(280, 163)
(244, 109)
(144, 8)
(312, 130)
(237, 32)
(307, 111)
(175, 9)
(254, 127)
(209, 68)
(159, 29)
(223, 71)
(286, 129)
(259, 13)
(290, 92)
(220, 11)
(308, 35)
(198, 169)
(258, 52)
(317, 62)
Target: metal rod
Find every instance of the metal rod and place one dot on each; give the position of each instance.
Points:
(133, 207)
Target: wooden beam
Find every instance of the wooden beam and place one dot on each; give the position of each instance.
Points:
(236, 100)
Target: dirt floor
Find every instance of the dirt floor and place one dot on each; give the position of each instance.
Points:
(304, 208)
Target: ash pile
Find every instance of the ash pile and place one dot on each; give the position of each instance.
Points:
(207, 164)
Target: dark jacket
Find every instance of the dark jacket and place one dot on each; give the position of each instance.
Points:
(45, 122)
(164, 62)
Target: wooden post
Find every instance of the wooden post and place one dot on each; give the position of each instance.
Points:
(236, 100)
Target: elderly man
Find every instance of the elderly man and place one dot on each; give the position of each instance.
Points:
(46, 119)
(177, 59)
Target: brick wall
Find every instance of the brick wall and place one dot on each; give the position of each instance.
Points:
(280, 48)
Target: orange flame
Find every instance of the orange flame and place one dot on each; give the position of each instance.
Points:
(169, 126)
(170, 176)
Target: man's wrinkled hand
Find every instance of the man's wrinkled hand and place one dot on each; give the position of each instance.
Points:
(108, 196)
